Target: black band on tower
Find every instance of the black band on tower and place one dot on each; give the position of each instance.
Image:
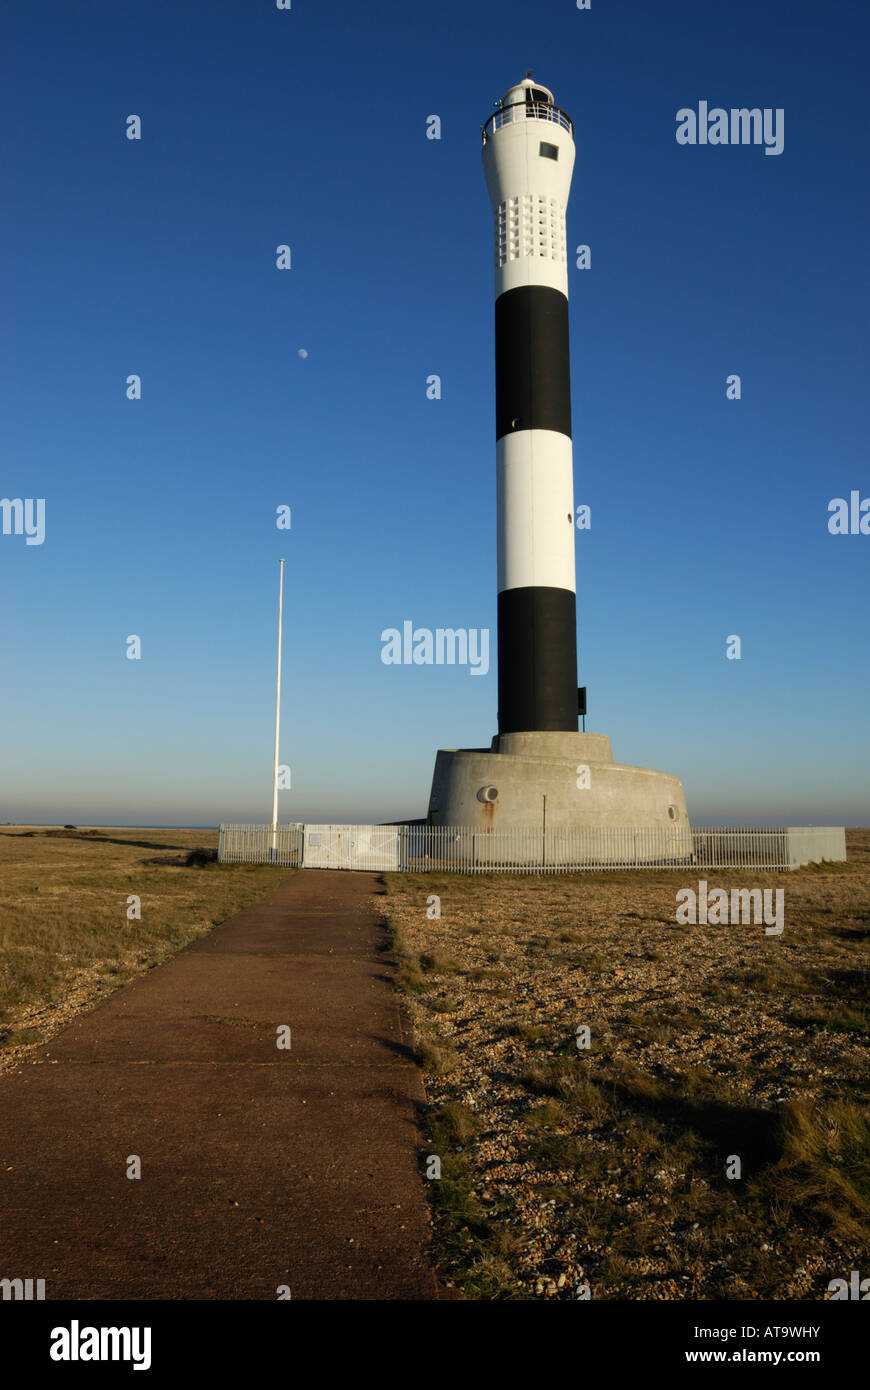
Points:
(537, 660)
(532, 375)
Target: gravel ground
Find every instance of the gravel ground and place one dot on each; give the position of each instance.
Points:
(608, 1170)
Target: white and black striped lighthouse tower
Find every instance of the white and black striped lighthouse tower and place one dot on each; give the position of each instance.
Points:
(528, 158)
(540, 774)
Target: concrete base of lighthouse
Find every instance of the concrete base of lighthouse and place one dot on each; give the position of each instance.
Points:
(554, 781)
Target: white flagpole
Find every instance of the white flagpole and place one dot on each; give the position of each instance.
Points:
(277, 712)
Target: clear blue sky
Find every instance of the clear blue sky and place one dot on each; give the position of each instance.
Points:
(308, 127)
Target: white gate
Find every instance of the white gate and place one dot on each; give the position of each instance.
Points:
(351, 847)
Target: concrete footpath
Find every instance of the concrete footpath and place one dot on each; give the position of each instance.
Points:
(260, 1167)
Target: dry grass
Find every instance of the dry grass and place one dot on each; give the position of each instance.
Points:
(65, 939)
(609, 1165)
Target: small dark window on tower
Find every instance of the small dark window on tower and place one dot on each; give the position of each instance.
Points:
(549, 151)
(538, 95)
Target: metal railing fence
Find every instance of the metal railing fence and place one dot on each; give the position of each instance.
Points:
(260, 844)
(530, 850)
(525, 111)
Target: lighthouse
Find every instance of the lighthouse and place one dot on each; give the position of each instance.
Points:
(528, 159)
(539, 773)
